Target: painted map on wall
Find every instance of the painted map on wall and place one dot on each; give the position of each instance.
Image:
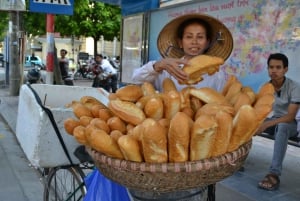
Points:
(259, 27)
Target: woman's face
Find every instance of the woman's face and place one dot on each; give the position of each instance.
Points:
(194, 40)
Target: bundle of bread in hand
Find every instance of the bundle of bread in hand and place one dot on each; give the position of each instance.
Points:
(142, 125)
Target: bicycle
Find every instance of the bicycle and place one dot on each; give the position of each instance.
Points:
(66, 183)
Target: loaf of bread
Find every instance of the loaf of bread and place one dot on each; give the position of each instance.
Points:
(85, 120)
(148, 89)
(172, 104)
(127, 111)
(102, 142)
(154, 108)
(101, 124)
(200, 65)
(168, 85)
(231, 79)
(115, 135)
(130, 148)
(79, 134)
(213, 108)
(262, 111)
(266, 88)
(265, 99)
(179, 137)
(89, 101)
(154, 142)
(196, 103)
(249, 91)
(95, 109)
(185, 97)
(234, 89)
(80, 110)
(244, 125)
(242, 99)
(105, 114)
(208, 95)
(69, 125)
(115, 123)
(223, 133)
(202, 137)
(129, 93)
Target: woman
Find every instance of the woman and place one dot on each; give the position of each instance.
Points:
(190, 35)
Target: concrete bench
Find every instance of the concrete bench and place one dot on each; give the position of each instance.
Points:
(294, 141)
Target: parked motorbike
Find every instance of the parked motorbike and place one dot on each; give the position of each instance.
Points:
(84, 71)
(34, 76)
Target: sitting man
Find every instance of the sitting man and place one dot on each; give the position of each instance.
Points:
(283, 123)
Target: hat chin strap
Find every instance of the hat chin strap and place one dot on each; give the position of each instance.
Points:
(218, 39)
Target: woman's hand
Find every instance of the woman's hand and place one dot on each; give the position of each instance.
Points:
(172, 66)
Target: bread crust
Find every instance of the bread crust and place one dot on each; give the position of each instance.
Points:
(154, 142)
(102, 142)
(129, 93)
(223, 133)
(200, 65)
(244, 125)
(202, 137)
(208, 95)
(179, 138)
(127, 111)
(130, 148)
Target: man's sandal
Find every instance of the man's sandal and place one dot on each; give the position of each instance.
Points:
(270, 182)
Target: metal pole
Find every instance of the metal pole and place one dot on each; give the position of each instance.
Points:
(50, 49)
(14, 71)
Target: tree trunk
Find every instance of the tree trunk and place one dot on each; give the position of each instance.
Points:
(96, 39)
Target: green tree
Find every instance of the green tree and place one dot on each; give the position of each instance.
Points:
(3, 24)
(90, 19)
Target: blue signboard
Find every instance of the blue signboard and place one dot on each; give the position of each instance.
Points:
(64, 7)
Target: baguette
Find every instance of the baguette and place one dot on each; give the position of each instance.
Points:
(208, 95)
(168, 85)
(104, 143)
(244, 125)
(223, 133)
(130, 93)
(69, 125)
(171, 103)
(154, 142)
(200, 65)
(179, 137)
(127, 111)
(130, 148)
(202, 137)
(154, 108)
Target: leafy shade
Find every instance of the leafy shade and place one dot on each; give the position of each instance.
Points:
(90, 19)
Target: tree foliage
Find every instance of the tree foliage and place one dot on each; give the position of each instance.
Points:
(3, 24)
(90, 19)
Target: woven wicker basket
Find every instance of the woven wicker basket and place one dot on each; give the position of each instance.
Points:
(168, 177)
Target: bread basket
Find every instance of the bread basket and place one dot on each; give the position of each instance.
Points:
(168, 177)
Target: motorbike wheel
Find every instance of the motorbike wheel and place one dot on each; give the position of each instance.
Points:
(77, 75)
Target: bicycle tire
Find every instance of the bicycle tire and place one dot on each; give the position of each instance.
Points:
(65, 184)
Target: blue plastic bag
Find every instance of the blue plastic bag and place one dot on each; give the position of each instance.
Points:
(99, 188)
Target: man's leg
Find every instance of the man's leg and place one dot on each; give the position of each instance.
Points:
(114, 83)
(282, 134)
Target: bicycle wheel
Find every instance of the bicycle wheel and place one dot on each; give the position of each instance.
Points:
(65, 184)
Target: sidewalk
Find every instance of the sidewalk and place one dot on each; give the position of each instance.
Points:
(19, 179)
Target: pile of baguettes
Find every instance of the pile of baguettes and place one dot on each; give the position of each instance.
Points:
(143, 125)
